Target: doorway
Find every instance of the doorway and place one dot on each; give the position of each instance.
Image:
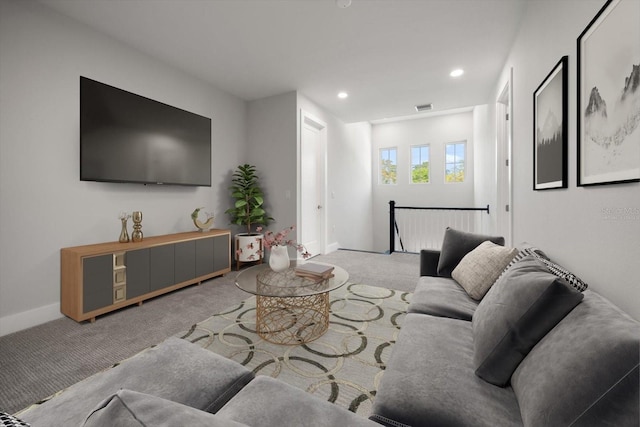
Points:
(503, 162)
(313, 166)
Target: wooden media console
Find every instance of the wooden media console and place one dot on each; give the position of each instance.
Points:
(100, 278)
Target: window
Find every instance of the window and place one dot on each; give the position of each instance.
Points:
(419, 164)
(454, 162)
(388, 165)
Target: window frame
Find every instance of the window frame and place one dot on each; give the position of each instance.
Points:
(464, 161)
(428, 146)
(380, 178)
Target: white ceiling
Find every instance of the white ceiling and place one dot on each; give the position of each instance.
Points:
(389, 55)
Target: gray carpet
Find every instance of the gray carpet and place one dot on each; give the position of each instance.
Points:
(343, 366)
(39, 361)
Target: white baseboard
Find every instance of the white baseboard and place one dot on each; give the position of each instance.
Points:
(26, 319)
(333, 247)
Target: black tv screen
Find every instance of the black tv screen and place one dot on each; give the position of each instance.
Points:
(126, 137)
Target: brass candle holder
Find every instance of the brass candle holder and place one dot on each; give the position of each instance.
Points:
(136, 236)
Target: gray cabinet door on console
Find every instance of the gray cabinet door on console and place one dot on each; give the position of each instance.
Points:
(161, 267)
(97, 282)
(185, 261)
(221, 252)
(137, 263)
(204, 257)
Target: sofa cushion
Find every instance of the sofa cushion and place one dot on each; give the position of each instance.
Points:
(456, 244)
(129, 408)
(429, 259)
(175, 370)
(584, 371)
(268, 402)
(515, 314)
(441, 296)
(429, 380)
(480, 268)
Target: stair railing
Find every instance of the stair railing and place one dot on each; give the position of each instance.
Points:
(413, 228)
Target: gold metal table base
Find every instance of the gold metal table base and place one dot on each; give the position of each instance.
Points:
(292, 320)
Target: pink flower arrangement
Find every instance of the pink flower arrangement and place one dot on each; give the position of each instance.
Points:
(271, 239)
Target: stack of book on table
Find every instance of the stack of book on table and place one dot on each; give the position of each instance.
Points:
(314, 271)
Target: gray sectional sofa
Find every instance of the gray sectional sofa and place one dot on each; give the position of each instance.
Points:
(177, 383)
(534, 347)
(537, 350)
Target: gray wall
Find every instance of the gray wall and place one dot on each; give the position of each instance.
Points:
(585, 229)
(271, 140)
(44, 206)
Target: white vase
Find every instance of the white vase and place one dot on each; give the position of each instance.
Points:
(279, 258)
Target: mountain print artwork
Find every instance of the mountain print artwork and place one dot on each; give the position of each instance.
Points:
(549, 147)
(550, 103)
(609, 96)
(612, 129)
(605, 132)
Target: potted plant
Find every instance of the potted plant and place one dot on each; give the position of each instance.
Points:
(248, 211)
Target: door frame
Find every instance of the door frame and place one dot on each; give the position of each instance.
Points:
(504, 160)
(307, 118)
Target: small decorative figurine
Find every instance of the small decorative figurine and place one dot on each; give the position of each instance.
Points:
(202, 226)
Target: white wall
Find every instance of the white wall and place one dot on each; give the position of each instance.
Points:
(349, 191)
(436, 131)
(485, 186)
(44, 206)
(575, 225)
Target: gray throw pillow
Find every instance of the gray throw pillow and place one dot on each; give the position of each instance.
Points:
(480, 268)
(517, 312)
(129, 408)
(456, 244)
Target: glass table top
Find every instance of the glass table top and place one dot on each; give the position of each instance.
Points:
(261, 280)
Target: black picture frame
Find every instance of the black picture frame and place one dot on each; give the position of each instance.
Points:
(550, 129)
(608, 126)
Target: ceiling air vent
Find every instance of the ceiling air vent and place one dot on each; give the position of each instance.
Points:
(424, 107)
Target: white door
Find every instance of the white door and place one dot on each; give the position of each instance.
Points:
(312, 179)
(503, 163)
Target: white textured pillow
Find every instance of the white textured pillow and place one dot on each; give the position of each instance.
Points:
(480, 268)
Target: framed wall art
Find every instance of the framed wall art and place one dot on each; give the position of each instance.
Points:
(609, 96)
(550, 138)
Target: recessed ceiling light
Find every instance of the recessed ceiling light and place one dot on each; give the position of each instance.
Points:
(457, 72)
(343, 95)
(343, 4)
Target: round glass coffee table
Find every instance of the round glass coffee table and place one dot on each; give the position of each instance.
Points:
(290, 309)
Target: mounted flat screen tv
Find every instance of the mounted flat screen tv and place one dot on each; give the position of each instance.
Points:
(126, 137)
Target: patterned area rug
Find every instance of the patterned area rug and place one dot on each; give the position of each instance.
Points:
(344, 366)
